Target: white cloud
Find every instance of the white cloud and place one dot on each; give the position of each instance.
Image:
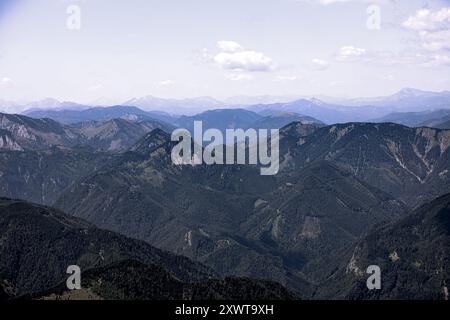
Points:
(437, 60)
(435, 41)
(229, 46)
(432, 28)
(6, 82)
(320, 64)
(427, 20)
(350, 53)
(235, 57)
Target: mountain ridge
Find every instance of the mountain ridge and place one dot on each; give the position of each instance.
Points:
(412, 254)
(46, 242)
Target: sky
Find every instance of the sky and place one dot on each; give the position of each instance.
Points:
(102, 50)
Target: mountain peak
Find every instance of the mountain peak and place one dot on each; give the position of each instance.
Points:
(410, 92)
(157, 134)
(317, 101)
(151, 141)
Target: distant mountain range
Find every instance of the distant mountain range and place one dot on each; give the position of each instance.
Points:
(221, 119)
(48, 103)
(442, 125)
(407, 99)
(243, 101)
(363, 110)
(325, 109)
(69, 116)
(325, 112)
(429, 118)
(183, 106)
(347, 195)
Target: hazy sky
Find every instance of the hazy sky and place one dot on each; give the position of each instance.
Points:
(221, 48)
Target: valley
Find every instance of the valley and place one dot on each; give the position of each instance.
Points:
(41, 242)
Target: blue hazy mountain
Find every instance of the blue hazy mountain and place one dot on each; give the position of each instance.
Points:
(408, 99)
(218, 118)
(322, 111)
(327, 110)
(176, 106)
(440, 123)
(429, 118)
(69, 116)
(363, 109)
